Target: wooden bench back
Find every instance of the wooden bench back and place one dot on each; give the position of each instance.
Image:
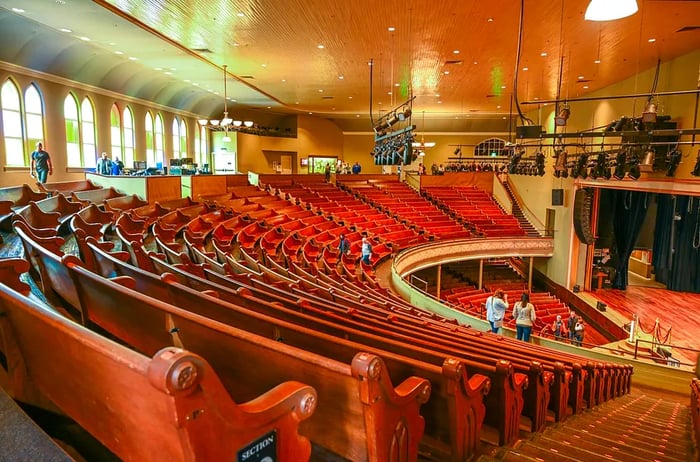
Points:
(169, 408)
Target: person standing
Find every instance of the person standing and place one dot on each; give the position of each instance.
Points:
(579, 330)
(117, 166)
(524, 314)
(343, 245)
(558, 328)
(496, 306)
(104, 165)
(356, 168)
(327, 171)
(41, 164)
(366, 251)
(571, 325)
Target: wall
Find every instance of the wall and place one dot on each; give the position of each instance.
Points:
(315, 137)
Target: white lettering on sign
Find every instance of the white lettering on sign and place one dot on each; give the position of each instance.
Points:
(260, 445)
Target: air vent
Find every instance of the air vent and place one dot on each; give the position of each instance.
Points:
(201, 50)
(453, 61)
(583, 80)
(326, 97)
(247, 77)
(688, 28)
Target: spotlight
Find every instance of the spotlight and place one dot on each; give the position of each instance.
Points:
(696, 169)
(647, 164)
(458, 152)
(620, 124)
(560, 164)
(672, 160)
(539, 163)
(579, 169)
(634, 170)
(620, 165)
(649, 114)
(562, 116)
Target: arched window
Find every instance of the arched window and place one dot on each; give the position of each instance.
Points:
(493, 147)
(150, 146)
(12, 125)
(70, 114)
(89, 139)
(176, 139)
(34, 117)
(203, 146)
(128, 118)
(159, 141)
(115, 132)
(183, 139)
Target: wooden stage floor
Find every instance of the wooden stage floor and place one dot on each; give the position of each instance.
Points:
(679, 311)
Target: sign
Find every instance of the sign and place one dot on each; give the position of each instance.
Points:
(264, 449)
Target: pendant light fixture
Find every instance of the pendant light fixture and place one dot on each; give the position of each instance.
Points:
(226, 123)
(609, 10)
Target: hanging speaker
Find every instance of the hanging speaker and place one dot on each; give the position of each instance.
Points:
(583, 208)
(557, 197)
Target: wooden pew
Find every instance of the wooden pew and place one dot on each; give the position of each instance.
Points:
(95, 196)
(171, 407)
(360, 414)
(505, 400)
(67, 187)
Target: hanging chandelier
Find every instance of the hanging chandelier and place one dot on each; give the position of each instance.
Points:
(225, 123)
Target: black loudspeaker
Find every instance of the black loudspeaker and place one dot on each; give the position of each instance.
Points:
(577, 288)
(601, 306)
(557, 197)
(583, 207)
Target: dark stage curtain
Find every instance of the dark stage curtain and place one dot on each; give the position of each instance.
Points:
(661, 255)
(685, 270)
(630, 210)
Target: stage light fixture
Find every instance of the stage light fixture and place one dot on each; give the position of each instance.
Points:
(647, 163)
(562, 116)
(672, 160)
(649, 114)
(634, 170)
(696, 169)
(620, 165)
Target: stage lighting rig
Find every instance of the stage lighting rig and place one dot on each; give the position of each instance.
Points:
(673, 158)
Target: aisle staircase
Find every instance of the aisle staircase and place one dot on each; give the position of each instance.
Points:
(637, 427)
(525, 224)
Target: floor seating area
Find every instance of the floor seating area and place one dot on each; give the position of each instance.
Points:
(259, 271)
(476, 208)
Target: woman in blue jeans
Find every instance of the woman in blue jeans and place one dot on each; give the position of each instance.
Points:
(524, 314)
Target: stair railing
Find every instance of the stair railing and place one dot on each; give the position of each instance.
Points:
(529, 214)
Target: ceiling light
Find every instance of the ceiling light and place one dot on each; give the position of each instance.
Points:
(18, 10)
(503, 87)
(84, 39)
(341, 77)
(264, 65)
(597, 61)
(133, 58)
(63, 29)
(284, 80)
(526, 68)
(391, 29)
(585, 87)
(118, 52)
(320, 47)
(396, 84)
(543, 54)
(651, 40)
(446, 72)
(456, 52)
(226, 123)
(476, 62)
(489, 20)
(605, 10)
(580, 77)
(240, 15)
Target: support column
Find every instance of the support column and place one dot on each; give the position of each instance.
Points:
(439, 281)
(481, 273)
(529, 274)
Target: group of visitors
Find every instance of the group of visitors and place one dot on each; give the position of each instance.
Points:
(365, 250)
(105, 166)
(524, 314)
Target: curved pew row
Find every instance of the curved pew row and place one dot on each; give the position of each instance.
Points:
(268, 316)
(354, 393)
(184, 412)
(241, 308)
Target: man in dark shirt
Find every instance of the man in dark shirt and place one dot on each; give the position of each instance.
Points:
(104, 165)
(356, 168)
(41, 164)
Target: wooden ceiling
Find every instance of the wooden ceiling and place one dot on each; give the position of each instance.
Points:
(456, 56)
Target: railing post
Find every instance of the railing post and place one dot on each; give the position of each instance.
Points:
(636, 346)
(439, 281)
(481, 273)
(633, 328)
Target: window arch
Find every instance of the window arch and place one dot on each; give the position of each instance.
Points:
(12, 124)
(492, 147)
(115, 132)
(33, 116)
(150, 141)
(203, 145)
(70, 115)
(89, 138)
(128, 119)
(159, 141)
(183, 138)
(176, 139)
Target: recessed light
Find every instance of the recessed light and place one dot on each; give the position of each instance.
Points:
(489, 20)
(503, 87)
(585, 87)
(284, 80)
(357, 115)
(18, 10)
(543, 54)
(437, 95)
(320, 47)
(475, 62)
(118, 52)
(195, 84)
(63, 29)
(446, 72)
(310, 113)
(240, 15)
(269, 107)
(597, 61)
(132, 58)
(504, 117)
(391, 29)
(498, 107)
(536, 98)
(236, 45)
(296, 102)
(168, 73)
(580, 77)
(439, 102)
(455, 52)
(320, 90)
(388, 93)
(341, 77)
(651, 40)
(264, 65)
(84, 39)
(397, 84)
(349, 97)
(526, 68)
